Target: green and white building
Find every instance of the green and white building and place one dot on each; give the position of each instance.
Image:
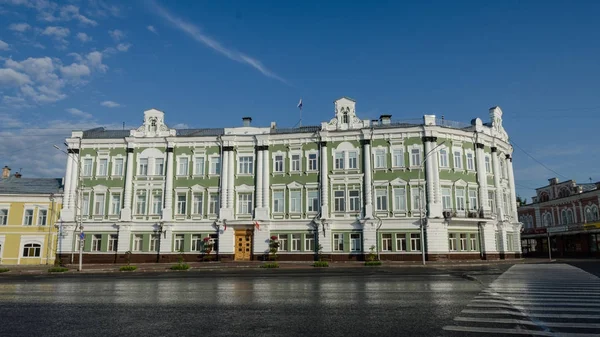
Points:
(346, 185)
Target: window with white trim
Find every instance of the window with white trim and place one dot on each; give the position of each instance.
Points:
(32, 250)
(313, 201)
(157, 204)
(457, 160)
(415, 199)
(159, 166)
(183, 166)
(102, 170)
(473, 242)
(85, 204)
(339, 160)
(96, 242)
(197, 243)
(215, 165)
(470, 162)
(87, 167)
(380, 161)
(295, 201)
(473, 199)
(400, 199)
(352, 160)
(181, 203)
(463, 242)
(295, 163)
(488, 165)
(283, 242)
(99, 204)
(381, 199)
(492, 201)
(3, 216)
(179, 239)
(296, 242)
(415, 157)
(309, 242)
(199, 166)
(115, 204)
(401, 242)
(154, 243)
(278, 162)
(143, 167)
(245, 203)
(355, 242)
(313, 162)
(198, 202)
(547, 219)
(338, 242)
(354, 200)
(246, 165)
(398, 158)
(118, 167)
(415, 242)
(339, 201)
(138, 242)
(443, 158)
(278, 201)
(113, 241)
(460, 199)
(386, 242)
(213, 204)
(452, 244)
(446, 198)
(42, 217)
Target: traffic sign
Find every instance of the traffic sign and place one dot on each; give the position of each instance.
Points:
(81, 236)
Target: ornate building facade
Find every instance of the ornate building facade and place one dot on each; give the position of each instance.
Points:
(348, 186)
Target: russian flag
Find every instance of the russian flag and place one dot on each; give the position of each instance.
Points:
(300, 104)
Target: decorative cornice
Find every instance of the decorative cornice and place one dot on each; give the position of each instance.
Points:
(429, 139)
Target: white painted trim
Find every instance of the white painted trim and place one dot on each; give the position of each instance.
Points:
(274, 162)
(306, 156)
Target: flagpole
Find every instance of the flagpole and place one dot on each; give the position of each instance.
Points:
(300, 107)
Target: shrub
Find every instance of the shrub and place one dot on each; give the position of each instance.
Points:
(180, 266)
(4, 270)
(270, 265)
(57, 270)
(373, 263)
(321, 264)
(273, 247)
(128, 268)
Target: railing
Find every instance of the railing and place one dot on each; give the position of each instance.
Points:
(451, 124)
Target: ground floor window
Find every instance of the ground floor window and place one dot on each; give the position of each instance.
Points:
(529, 246)
(355, 242)
(296, 239)
(463, 242)
(338, 242)
(283, 242)
(309, 242)
(113, 240)
(32, 250)
(386, 242)
(415, 242)
(595, 242)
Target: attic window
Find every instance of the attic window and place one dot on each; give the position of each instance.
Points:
(345, 117)
(153, 124)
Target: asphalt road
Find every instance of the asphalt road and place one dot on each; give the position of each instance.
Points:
(359, 302)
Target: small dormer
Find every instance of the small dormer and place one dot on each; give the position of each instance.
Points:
(345, 116)
(154, 125)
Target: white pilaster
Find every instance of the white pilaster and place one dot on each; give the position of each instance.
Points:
(124, 239)
(259, 179)
(261, 240)
(166, 239)
(326, 238)
(497, 175)
(436, 236)
(324, 185)
(226, 238)
(432, 199)
(126, 211)
(489, 238)
(266, 182)
(230, 181)
(513, 193)
(224, 177)
(262, 172)
(168, 206)
(369, 236)
(67, 202)
(538, 217)
(482, 179)
(368, 180)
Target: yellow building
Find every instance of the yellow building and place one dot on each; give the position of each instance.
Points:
(29, 209)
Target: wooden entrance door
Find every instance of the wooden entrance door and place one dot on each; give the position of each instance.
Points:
(243, 245)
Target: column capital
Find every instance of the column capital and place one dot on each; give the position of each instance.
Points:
(365, 142)
(260, 148)
(323, 143)
(429, 139)
(130, 150)
(509, 157)
(73, 151)
(227, 148)
(479, 145)
(494, 149)
(170, 149)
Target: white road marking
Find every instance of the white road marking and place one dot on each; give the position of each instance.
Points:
(525, 322)
(529, 314)
(514, 331)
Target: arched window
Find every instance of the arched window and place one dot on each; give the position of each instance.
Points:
(570, 219)
(32, 250)
(530, 220)
(563, 193)
(544, 197)
(591, 213)
(345, 117)
(547, 219)
(595, 213)
(563, 217)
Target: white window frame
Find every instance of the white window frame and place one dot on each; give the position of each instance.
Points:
(40, 211)
(309, 242)
(339, 207)
(181, 206)
(249, 166)
(415, 199)
(181, 172)
(415, 162)
(113, 242)
(295, 167)
(338, 241)
(473, 198)
(457, 164)
(138, 243)
(339, 164)
(195, 210)
(85, 204)
(400, 242)
(386, 242)
(415, 242)
(397, 197)
(99, 171)
(295, 204)
(354, 203)
(398, 157)
(356, 164)
(96, 208)
(112, 210)
(460, 206)
(214, 164)
(295, 242)
(470, 158)
(283, 242)
(308, 160)
(249, 202)
(380, 158)
(278, 201)
(443, 158)
(384, 194)
(309, 201)
(279, 162)
(355, 242)
(141, 172)
(447, 204)
(211, 203)
(4, 213)
(157, 203)
(96, 245)
(488, 164)
(178, 242)
(155, 171)
(199, 170)
(116, 159)
(84, 160)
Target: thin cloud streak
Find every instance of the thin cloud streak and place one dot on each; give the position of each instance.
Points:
(197, 35)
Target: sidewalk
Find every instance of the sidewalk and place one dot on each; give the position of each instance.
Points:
(218, 266)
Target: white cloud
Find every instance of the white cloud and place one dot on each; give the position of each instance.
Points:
(195, 32)
(75, 71)
(102, 9)
(152, 29)
(123, 46)
(4, 45)
(180, 126)
(94, 60)
(19, 27)
(71, 12)
(12, 78)
(110, 104)
(56, 32)
(79, 113)
(83, 37)
(116, 34)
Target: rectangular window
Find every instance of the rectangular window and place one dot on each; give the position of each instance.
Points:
(296, 241)
(492, 201)
(157, 204)
(443, 158)
(352, 160)
(339, 201)
(85, 204)
(295, 201)
(179, 238)
(452, 242)
(355, 242)
(386, 242)
(113, 241)
(338, 242)
(470, 162)
(196, 243)
(380, 161)
(457, 160)
(141, 204)
(312, 162)
(415, 198)
(283, 242)
(463, 242)
(473, 242)
(42, 217)
(354, 196)
(102, 167)
(401, 242)
(278, 162)
(198, 201)
(296, 162)
(99, 204)
(381, 199)
(446, 198)
(246, 165)
(199, 166)
(398, 158)
(309, 242)
(118, 168)
(181, 203)
(183, 166)
(460, 199)
(473, 200)
(87, 167)
(159, 166)
(143, 167)
(3, 216)
(138, 242)
(96, 242)
(313, 201)
(400, 199)
(154, 243)
(115, 204)
(415, 157)
(213, 206)
(245, 203)
(488, 166)
(415, 242)
(215, 165)
(278, 201)
(339, 160)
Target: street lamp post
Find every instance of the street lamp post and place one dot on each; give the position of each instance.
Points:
(421, 222)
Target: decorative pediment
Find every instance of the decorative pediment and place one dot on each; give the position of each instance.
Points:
(345, 116)
(154, 125)
(197, 188)
(244, 188)
(460, 183)
(398, 182)
(294, 186)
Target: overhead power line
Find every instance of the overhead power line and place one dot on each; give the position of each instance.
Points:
(537, 161)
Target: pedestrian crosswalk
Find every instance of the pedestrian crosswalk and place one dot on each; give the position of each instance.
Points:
(534, 300)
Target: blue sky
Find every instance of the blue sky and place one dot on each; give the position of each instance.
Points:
(82, 63)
